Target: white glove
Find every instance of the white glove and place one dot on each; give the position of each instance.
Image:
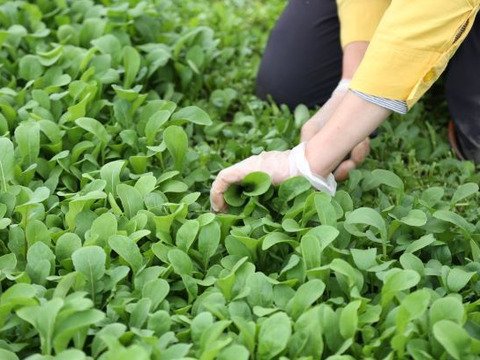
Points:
(280, 165)
(312, 126)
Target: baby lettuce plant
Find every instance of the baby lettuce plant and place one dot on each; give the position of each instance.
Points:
(115, 117)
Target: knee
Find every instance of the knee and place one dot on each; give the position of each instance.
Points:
(286, 85)
(270, 85)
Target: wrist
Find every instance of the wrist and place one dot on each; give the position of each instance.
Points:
(299, 165)
(342, 86)
(317, 167)
(351, 123)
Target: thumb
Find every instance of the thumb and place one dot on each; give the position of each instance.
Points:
(231, 175)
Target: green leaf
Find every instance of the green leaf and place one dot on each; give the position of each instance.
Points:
(448, 308)
(43, 320)
(131, 199)
(154, 124)
(364, 259)
(146, 184)
(415, 218)
(464, 191)
(349, 319)
(72, 324)
(234, 196)
(30, 68)
(131, 63)
(290, 225)
(102, 228)
(8, 262)
(71, 354)
(177, 144)
(139, 313)
(94, 127)
(305, 296)
(353, 276)
(453, 338)
(186, 234)
(92, 28)
(397, 281)
(77, 205)
(200, 324)
(273, 336)
(208, 241)
(388, 178)
(421, 243)
(128, 250)
(156, 290)
(365, 216)
(7, 163)
(457, 279)
(66, 245)
(27, 135)
(7, 355)
(311, 252)
(195, 58)
(301, 115)
(109, 44)
(325, 210)
(412, 307)
(237, 352)
(115, 329)
(181, 262)
(454, 219)
(432, 196)
(256, 183)
(157, 58)
(261, 291)
(40, 262)
(90, 262)
(291, 188)
(192, 114)
(110, 172)
(275, 238)
(37, 231)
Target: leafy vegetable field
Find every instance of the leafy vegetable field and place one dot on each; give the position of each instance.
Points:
(116, 116)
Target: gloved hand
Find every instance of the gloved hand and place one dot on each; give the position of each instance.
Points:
(312, 126)
(280, 165)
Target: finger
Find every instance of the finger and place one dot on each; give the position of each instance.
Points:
(361, 151)
(225, 178)
(217, 201)
(341, 173)
(219, 186)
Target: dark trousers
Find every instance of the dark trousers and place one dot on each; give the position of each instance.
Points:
(302, 64)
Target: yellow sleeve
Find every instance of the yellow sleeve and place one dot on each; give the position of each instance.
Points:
(412, 46)
(359, 18)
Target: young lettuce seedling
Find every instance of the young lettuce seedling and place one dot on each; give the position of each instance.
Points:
(253, 185)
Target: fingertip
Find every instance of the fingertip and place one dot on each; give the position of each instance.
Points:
(341, 174)
(217, 201)
(361, 151)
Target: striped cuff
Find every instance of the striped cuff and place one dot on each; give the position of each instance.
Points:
(397, 106)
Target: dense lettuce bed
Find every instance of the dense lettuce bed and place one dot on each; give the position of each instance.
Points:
(115, 117)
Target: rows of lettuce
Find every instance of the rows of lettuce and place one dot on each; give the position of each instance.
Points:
(115, 117)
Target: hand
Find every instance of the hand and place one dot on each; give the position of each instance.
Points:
(318, 121)
(280, 165)
(357, 157)
(339, 136)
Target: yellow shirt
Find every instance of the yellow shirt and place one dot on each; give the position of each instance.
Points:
(411, 42)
